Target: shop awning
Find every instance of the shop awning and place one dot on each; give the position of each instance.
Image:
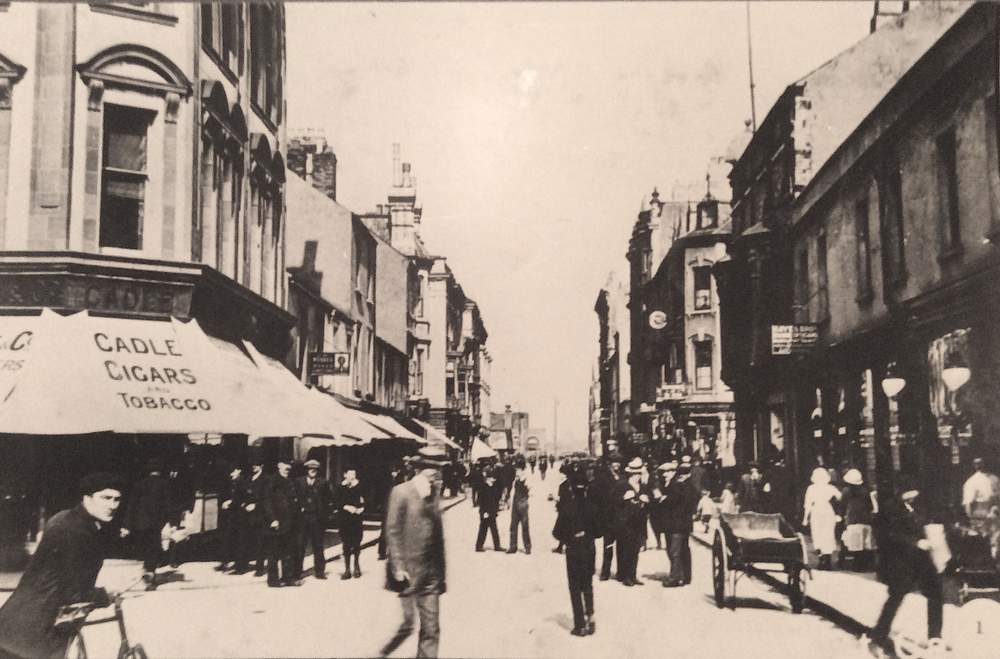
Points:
(86, 374)
(481, 451)
(329, 423)
(392, 428)
(435, 436)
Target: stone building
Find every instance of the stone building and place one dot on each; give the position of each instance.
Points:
(141, 177)
(613, 367)
(895, 260)
(757, 285)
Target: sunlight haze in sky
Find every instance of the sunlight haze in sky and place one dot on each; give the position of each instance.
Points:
(534, 131)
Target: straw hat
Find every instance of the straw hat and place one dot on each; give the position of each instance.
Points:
(853, 477)
(667, 466)
(634, 466)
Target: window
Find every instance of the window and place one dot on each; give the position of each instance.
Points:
(417, 381)
(123, 182)
(703, 364)
(222, 32)
(265, 61)
(951, 229)
(890, 198)
(823, 299)
(703, 287)
(674, 373)
(864, 263)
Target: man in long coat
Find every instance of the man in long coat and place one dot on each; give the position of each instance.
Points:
(631, 501)
(677, 506)
(257, 538)
(576, 527)
(490, 494)
(314, 497)
(232, 520)
(280, 516)
(148, 511)
(603, 492)
(63, 571)
(416, 552)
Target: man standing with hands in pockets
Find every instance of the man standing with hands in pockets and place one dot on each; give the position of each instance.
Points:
(416, 565)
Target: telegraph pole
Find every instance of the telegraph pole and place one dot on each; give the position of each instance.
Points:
(753, 103)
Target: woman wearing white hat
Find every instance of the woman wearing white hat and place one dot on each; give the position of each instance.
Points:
(820, 516)
(857, 535)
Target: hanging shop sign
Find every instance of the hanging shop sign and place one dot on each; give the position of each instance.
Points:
(657, 319)
(671, 392)
(329, 363)
(793, 339)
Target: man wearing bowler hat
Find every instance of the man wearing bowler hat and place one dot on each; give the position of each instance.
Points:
(314, 502)
(416, 566)
(63, 571)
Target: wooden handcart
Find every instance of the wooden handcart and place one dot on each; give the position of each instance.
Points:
(748, 542)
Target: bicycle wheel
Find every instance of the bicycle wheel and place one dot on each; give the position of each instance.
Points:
(76, 649)
(135, 652)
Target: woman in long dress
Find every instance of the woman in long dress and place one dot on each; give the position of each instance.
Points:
(820, 515)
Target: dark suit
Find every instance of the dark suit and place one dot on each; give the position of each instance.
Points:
(314, 502)
(351, 524)
(416, 546)
(63, 571)
(677, 508)
(281, 506)
(232, 521)
(632, 513)
(602, 492)
(575, 531)
(519, 515)
(750, 494)
(149, 508)
(256, 541)
(489, 504)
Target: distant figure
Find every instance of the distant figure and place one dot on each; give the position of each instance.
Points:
(519, 511)
(750, 494)
(314, 501)
(819, 515)
(231, 522)
(632, 502)
(397, 477)
(63, 571)
(981, 502)
(148, 511)
(489, 505)
(543, 467)
(707, 510)
(602, 492)
(416, 566)
(281, 510)
(857, 536)
(727, 501)
(350, 508)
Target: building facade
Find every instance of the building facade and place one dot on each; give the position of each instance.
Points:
(614, 347)
(141, 176)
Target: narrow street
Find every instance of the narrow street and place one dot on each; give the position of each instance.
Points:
(497, 605)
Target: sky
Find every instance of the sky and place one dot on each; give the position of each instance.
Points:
(535, 130)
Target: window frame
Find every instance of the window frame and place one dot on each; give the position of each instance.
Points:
(707, 304)
(704, 346)
(112, 116)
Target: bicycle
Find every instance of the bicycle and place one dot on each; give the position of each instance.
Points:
(74, 617)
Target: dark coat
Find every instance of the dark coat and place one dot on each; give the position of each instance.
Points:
(256, 494)
(900, 560)
(602, 492)
(63, 571)
(677, 508)
(489, 498)
(857, 505)
(631, 512)
(415, 539)
(782, 498)
(280, 504)
(314, 499)
(149, 504)
(750, 494)
(349, 496)
(576, 514)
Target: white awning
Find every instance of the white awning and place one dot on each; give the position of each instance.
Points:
(435, 436)
(481, 451)
(393, 428)
(87, 374)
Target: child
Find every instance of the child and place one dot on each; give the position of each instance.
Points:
(727, 502)
(706, 510)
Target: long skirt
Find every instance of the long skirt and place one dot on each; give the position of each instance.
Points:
(823, 521)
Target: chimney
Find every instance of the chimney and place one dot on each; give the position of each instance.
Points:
(406, 174)
(397, 175)
(887, 11)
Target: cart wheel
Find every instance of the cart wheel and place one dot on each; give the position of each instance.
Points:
(796, 595)
(135, 652)
(720, 566)
(76, 649)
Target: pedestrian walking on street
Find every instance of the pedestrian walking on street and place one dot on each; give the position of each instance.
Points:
(416, 565)
(779, 491)
(543, 467)
(750, 492)
(981, 503)
(148, 511)
(602, 492)
(397, 477)
(281, 507)
(857, 536)
(519, 511)
(820, 516)
(351, 508)
(230, 519)
(632, 502)
(489, 504)
(62, 571)
(577, 525)
(677, 502)
(906, 564)
(257, 538)
(313, 493)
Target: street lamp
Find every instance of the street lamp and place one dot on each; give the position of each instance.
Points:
(893, 382)
(956, 372)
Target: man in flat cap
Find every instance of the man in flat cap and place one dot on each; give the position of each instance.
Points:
(314, 495)
(63, 571)
(416, 566)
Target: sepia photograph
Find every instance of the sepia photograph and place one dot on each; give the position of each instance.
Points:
(500, 329)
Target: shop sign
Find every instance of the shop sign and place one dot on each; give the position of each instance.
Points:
(671, 392)
(793, 339)
(329, 363)
(657, 319)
